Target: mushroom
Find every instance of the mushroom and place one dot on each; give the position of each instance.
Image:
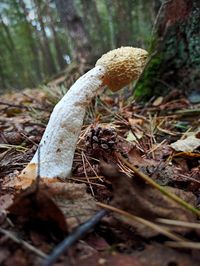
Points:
(115, 69)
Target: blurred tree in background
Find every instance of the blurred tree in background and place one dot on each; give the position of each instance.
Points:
(40, 38)
(175, 58)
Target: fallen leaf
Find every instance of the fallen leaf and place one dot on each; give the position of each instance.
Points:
(14, 138)
(5, 201)
(158, 101)
(140, 199)
(4, 254)
(134, 137)
(158, 255)
(76, 204)
(135, 121)
(187, 145)
(35, 208)
(19, 257)
(115, 259)
(135, 157)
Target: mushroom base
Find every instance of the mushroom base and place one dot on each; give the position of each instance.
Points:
(58, 143)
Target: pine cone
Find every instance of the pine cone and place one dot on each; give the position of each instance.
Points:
(100, 140)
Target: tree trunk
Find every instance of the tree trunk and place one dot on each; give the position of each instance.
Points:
(46, 48)
(175, 61)
(75, 27)
(33, 47)
(95, 27)
(14, 57)
(2, 73)
(60, 59)
(110, 18)
(123, 19)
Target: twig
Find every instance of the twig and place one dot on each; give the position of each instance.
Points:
(73, 237)
(160, 188)
(191, 245)
(151, 225)
(27, 138)
(23, 243)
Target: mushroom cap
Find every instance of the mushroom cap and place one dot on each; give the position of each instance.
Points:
(123, 65)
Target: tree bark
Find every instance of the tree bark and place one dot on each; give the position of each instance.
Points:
(33, 46)
(123, 19)
(60, 59)
(3, 84)
(50, 65)
(95, 27)
(77, 32)
(14, 57)
(110, 18)
(175, 59)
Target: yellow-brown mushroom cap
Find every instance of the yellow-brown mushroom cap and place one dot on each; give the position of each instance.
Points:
(123, 65)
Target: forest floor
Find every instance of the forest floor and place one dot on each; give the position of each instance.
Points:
(122, 147)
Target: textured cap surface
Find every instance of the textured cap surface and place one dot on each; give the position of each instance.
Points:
(123, 65)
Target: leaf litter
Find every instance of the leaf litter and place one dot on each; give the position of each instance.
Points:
(151, 137)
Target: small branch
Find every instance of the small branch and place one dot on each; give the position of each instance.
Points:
(160, 188)
(74, 237)
(23, 243)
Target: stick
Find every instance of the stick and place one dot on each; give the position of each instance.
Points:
(73, 237)
(23, 243)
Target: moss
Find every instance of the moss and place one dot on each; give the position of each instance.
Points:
(144, 87)
(177, 62)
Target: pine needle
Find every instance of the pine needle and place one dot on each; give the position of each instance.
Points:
(151, 225)
(179, 223)
(190, 245)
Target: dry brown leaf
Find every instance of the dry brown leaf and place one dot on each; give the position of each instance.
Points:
(115, 259)
(135, 157)
(72, 199)
(138, 198)
(76, 204)
(158, 255)
(19, 183)
(35, 208)
(135, 121)
(5, 201)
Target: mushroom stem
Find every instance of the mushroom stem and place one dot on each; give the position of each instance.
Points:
(58, 143)
(115, 69)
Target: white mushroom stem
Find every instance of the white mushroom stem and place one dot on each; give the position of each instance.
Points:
(58, 143)
(115, 69)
